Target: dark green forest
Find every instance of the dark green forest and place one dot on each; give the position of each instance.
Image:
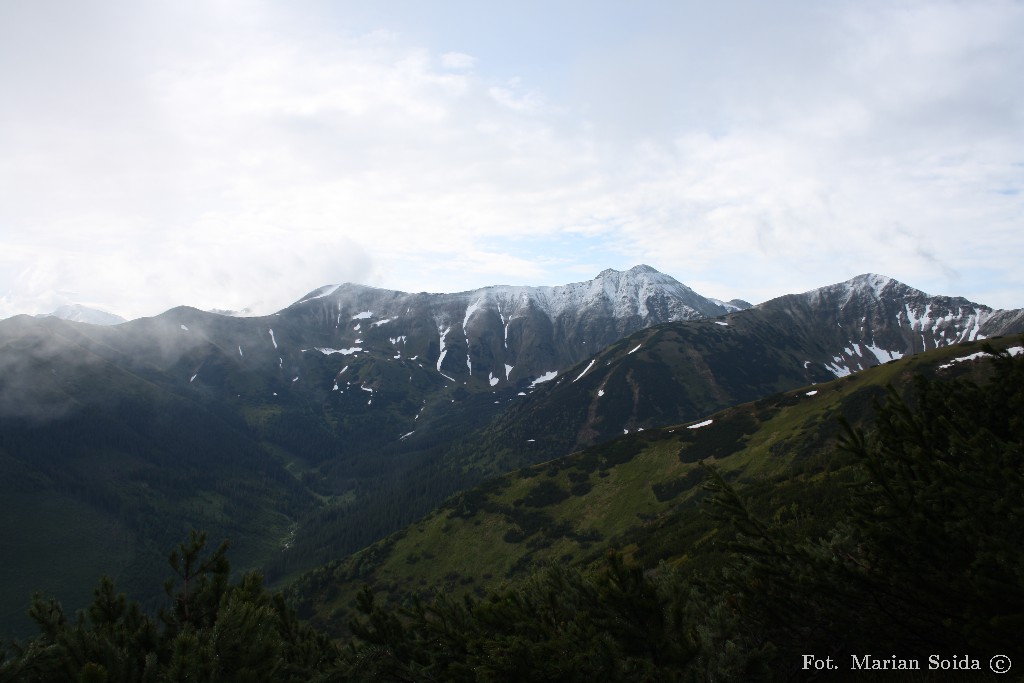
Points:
(911, 544)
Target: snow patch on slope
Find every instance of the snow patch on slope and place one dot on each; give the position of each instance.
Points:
(881, 354)
(1014, 351)
(441, 355)
(345, 352)
(585, 370)
(546, 377)
(837, 369)
(327, 290)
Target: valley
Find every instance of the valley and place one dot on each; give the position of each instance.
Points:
(316, 432)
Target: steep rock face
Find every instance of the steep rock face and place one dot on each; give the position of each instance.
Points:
(376, 361)
(872, 319)
(677, 372)
(360, 368)
(501, 333)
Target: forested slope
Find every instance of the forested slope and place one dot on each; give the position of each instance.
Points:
(903, 544)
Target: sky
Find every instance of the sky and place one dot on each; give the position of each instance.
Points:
(237, 154)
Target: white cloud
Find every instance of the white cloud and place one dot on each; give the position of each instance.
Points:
(457, 60)
(232, 156)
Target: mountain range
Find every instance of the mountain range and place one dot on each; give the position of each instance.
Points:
(313, 432)
(672, 373)
(84, 314)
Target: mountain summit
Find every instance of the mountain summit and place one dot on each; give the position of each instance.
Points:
(502, 333)
(872, 319)
(679, 372)
(84, 314)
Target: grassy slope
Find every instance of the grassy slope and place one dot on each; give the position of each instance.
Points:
(638, 493)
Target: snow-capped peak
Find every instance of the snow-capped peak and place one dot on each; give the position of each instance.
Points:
(875, 283)
(867, 285)
(84, 314)
(489, 331)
